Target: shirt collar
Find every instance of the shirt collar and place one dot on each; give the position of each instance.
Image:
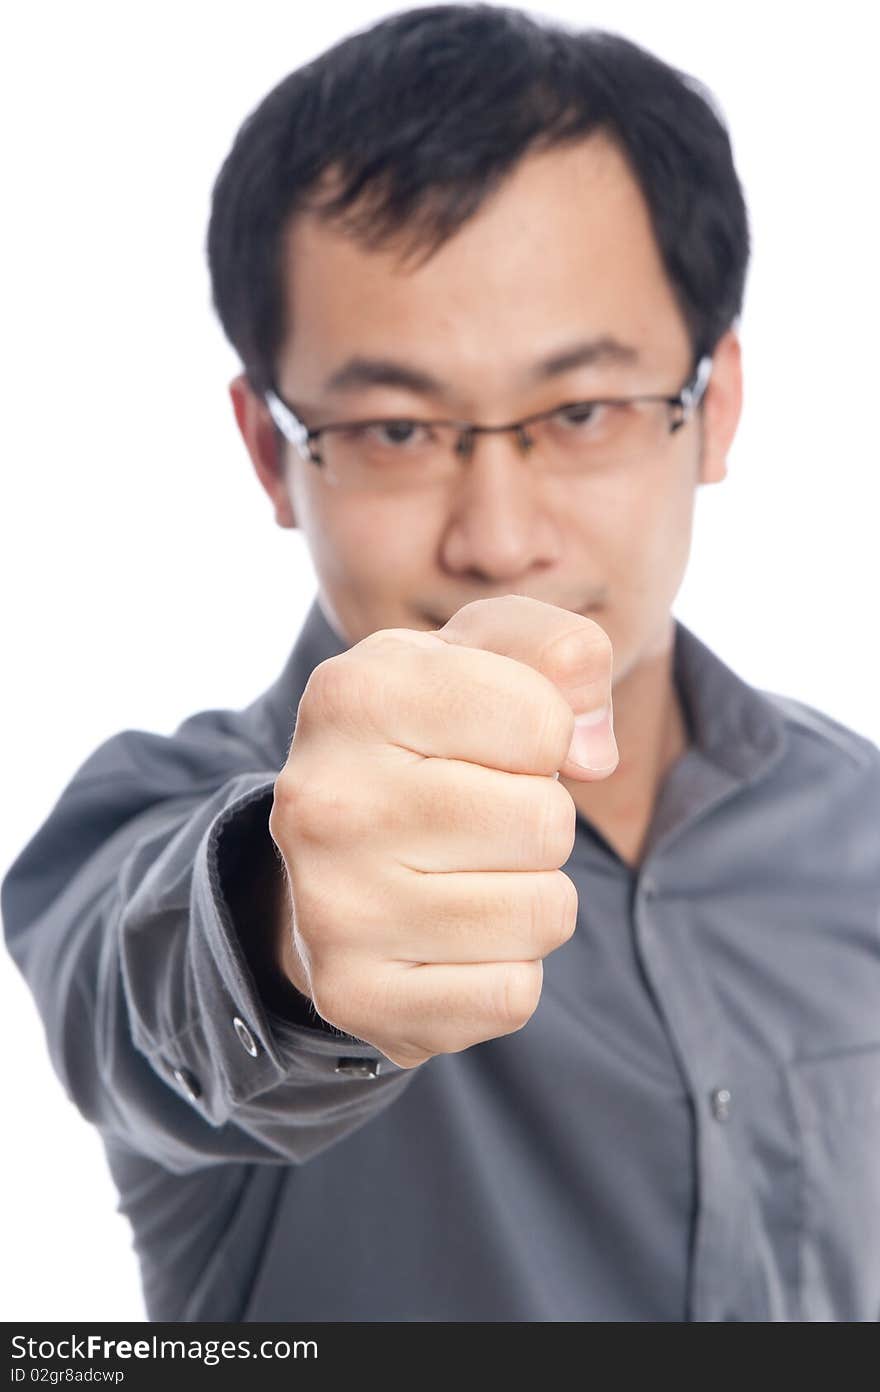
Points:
(732, 724)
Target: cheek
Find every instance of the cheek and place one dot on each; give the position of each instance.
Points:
(665, 533)
(361, 538)
(640, 534)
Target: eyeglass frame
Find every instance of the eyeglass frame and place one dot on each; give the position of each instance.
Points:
(285, 416)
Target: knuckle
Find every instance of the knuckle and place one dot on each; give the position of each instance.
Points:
(557, 824)
(315, 811)
(566, 915)
(337, 693)
(553, 721)
(586, 644)
(326, 687)
(518, 994)
(582, 664)
(554, 911)
(287, 805)
(329, 808)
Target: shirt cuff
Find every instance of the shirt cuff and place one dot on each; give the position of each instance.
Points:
(254, 1048)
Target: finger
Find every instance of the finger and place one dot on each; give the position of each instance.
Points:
(477, 916)
(507, 698)
(570, 650)
(439, 1009)
(449, 815)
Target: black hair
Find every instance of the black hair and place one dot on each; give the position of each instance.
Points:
(411, 122)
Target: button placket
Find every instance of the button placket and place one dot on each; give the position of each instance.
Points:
(721, 1284)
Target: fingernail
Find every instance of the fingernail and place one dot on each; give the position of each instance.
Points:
(593, 745)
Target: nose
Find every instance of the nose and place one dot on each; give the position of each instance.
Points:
(466, 441)
(500, 526)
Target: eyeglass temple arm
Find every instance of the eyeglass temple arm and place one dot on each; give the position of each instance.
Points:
(692, 394)
(291, 428)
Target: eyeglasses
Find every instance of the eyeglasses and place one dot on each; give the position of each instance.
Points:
(578, 437)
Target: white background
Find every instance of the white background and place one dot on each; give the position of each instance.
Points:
(143, 575)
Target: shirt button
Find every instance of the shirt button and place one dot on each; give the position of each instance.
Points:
(649, 887)
(245, 1038)
(358, 1067)
(721, 1100)
(188, 1084)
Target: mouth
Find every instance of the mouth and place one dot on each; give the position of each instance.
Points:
(434, 619)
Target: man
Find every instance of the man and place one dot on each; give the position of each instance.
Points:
(315, 969)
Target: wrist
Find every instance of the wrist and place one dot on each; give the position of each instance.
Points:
(288, 962)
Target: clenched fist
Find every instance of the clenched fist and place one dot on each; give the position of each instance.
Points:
(422, 823)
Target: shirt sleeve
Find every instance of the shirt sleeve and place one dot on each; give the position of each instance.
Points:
(116, 916)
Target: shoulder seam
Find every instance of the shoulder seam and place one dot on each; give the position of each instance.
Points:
(857, 747)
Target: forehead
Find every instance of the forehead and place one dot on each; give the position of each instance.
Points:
(562, 249)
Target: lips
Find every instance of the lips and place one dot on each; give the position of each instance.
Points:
(439, 623)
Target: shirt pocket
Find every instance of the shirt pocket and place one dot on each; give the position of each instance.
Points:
(836, 1100)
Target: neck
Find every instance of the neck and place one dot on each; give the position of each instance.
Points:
(651, 733)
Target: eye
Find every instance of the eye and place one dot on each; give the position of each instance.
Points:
(578, 414)
(397, 433)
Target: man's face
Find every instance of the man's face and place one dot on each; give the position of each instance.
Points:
(561, 253)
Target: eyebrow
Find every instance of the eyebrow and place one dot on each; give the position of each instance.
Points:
(361, 371)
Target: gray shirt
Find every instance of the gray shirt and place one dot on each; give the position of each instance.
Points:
(688, 1128)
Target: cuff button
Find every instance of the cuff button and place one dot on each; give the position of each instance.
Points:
(245, 1038)
(358, 1067)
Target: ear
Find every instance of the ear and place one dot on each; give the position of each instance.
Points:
(722, 406)
(261, 440)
